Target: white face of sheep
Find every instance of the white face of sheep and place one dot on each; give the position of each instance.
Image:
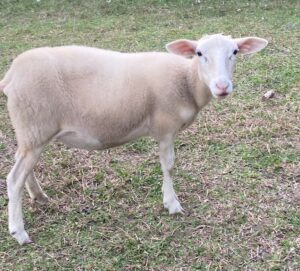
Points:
(216, 58)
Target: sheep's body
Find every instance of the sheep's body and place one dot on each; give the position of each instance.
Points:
(94, 99)
(94, 103)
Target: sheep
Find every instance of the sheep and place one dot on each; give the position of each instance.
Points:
(94, 99)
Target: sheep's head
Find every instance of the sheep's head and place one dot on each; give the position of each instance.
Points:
(216, 58)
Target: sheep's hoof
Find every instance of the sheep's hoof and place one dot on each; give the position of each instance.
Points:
(22, 237)
(173, 206)
(41, 199)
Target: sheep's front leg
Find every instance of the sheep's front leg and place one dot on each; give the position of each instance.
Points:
(167, 157)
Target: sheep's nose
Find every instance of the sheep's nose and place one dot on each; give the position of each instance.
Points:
(222, 86)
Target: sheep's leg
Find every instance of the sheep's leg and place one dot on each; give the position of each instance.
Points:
(15, 186)
(34, 189)
(167, 157)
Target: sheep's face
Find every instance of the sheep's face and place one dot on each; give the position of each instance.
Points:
(216, 56)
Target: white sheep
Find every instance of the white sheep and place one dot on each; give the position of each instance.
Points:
(95, 99)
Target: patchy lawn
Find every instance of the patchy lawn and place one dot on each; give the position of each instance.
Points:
(237, 171)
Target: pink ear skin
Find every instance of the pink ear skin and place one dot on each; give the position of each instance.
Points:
(185, 48)
(250, 45)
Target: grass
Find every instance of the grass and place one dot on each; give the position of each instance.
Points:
(238, 166)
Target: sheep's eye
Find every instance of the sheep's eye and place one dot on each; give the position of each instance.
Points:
(199, 53)
(235, 52)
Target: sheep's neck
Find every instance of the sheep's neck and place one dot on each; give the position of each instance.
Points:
(198, 89)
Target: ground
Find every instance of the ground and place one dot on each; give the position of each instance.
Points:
(237, 169)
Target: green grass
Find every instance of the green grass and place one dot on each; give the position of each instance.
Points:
(238, 166)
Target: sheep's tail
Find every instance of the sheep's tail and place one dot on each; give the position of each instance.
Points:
(5, 81)
(2, 85)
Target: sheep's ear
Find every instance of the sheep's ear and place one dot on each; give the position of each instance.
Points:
(250, 45)
(185, 48)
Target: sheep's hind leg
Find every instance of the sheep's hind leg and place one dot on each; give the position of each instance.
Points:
(15, 186)
(34, 190)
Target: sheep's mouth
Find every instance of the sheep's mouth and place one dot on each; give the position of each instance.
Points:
(222, 95)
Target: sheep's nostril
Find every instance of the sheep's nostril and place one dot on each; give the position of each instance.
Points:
(222, 86)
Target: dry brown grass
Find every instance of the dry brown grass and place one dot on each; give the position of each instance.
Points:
(237, 170)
